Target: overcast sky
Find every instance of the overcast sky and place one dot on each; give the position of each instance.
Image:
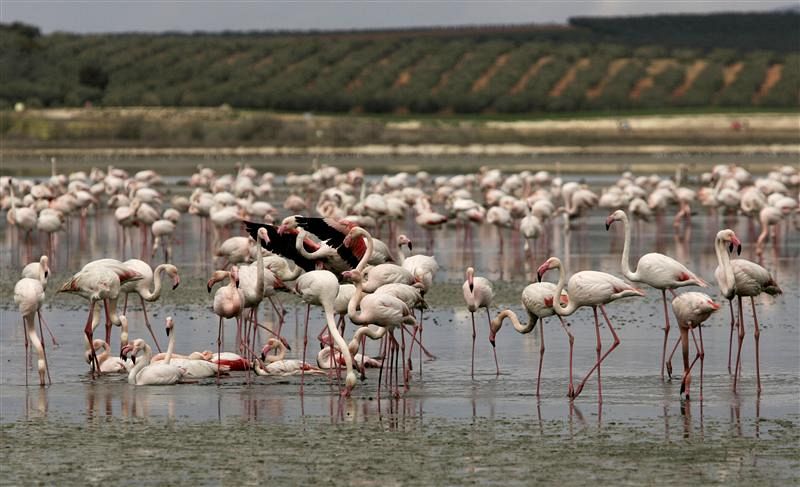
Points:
(158, 15)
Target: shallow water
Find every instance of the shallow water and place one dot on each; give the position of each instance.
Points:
(448, 428)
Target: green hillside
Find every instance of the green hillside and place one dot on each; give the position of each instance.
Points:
(660, 62)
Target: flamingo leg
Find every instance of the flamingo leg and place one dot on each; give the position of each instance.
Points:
(147, 323)
(739, 352)
(666, 331)
(108, 321)
(756, 333)
(419, 326)
(27, 358)
(702, 359)
(541, 358)
(403, 359)
(52, 337)
(570, 390)
(730, 338)
(472, 368)
(219, 347)
(305, 344)
(44, 354)
(597, 365)
(669, 359)
(685, 383)
(88, 332)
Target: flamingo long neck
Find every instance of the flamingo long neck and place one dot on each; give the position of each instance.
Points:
(352, 305)
(103, 356)
(507, 313)
(724, 261)
(170, 346)
(368, 253)
(140, 364)
(333, 331)
(146, 294)
(281, 352)
(401, 255)
(626, 251)
(368, 331)
(259, 268)
(571, 305)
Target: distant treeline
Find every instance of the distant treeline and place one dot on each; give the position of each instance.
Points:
(730, 60)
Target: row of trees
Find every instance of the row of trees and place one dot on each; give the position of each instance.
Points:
(422, 74)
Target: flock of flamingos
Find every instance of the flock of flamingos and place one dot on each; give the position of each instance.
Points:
(335, 261)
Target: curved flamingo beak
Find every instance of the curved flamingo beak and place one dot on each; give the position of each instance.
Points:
(209, 285)
(713, 304)
(541, 270)
(738, 243)
(347, 240)
(492, 337)
(176, 281)
(410, 246)
(282, 229)
(471, 284)
(609, 221)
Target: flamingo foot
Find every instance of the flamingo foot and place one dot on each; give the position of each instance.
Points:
(570, 392)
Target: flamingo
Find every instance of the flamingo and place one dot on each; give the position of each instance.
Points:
(144, 373)
(380, 309)
(321, 288)
(739, 278)
(228, 302)
(325, 361)
(691, 310)
(478, 293)
(537, 299)
(29, 296)
(24, 218)
(142, 286)
(278, 365)
(108, 364)
(162, 229)
(656, 270)
(99, 281)
(41, 272)
(588, 288)
(193, 368)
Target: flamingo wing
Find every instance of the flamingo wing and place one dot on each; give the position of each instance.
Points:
(283, 245)
(333, 232)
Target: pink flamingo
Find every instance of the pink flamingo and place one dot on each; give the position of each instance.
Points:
(656, 270)
(537, 298)
(41, 272)
(99, 282)
(142, 286)
(739, 278)
(278, 365)
(29, 296)
(228, 302)
(381, 309)
(108, 364)
(691, 310)
(588, 288)
(321, 288)
(478, 294)
(144, 373)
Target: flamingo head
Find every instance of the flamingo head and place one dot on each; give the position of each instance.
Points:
(126, 350)
(471, 278)
(714, 306)
(353, 233)
(730, 237)
(350, 383)
(354, 275)
(170, 324)
(551, 263)
(235, 275)
(403, 240)
(262, 234)
(215, 278)
(288, 223)
(172, 271)
(43, 264)
(614, 217)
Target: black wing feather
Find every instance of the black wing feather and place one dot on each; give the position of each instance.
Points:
(283, 245)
